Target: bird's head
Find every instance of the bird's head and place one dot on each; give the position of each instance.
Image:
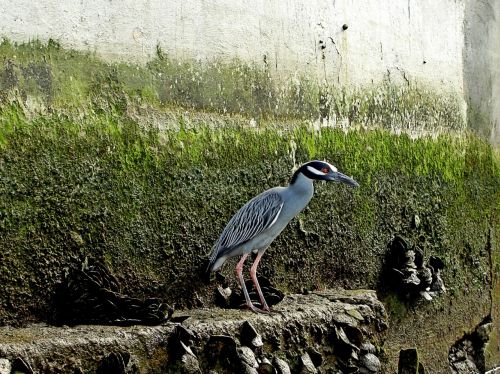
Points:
(322, 170)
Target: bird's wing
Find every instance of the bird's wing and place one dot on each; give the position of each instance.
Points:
(253, 218)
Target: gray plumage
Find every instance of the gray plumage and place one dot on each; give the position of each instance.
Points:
(261, 220)
(253, 219)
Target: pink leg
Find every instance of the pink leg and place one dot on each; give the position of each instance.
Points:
(239, 274)
(253, 274)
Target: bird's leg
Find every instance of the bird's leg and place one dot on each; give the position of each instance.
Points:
(253, 274)
(239, 274)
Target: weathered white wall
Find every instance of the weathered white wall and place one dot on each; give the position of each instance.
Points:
(383, 36)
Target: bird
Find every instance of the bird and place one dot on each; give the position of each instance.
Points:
(255, 226)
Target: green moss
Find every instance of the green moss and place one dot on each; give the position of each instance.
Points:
(67, 80)
(151, 202)
(142, 166)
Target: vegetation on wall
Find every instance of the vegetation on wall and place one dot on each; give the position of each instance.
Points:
(56, 78)
(141, 167)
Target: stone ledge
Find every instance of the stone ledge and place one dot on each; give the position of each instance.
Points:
(329, 329)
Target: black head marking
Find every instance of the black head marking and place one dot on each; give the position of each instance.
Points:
(316, 170)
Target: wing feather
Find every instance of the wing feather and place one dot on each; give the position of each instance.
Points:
(253, 218)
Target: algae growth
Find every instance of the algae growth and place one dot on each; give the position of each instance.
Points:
(141, 167)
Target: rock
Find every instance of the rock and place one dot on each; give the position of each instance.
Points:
(247, 357)
(437, 284)
(419, 258)
(411, 280)
(247, 369)
(20, 365)
(421, 369)
(5, 366)
(281, 366)
(115, 362)
(189, 364)
(367, 348)
(222, 347)
(185, 335)
(410, 260)
(426, 295)
(370, 362)
(306, 365)
(92, 295)
(399, 244)
(425, 276)
(316, 357)
(249, 336)
(186, 349)
(408, 361)
(483, 331)
(223, 297)
(213, 335)
(265, 367)
(436, 263)
(354, 313)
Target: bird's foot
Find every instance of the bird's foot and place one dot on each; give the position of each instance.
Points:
(265, 310)
(254, 309)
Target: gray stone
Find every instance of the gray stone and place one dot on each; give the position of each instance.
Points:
(189, 364)
(249, 336)
(367, 348)
(370, 362)
(5, 366)
(265, 367)
(307, 366)
(247, 369)
(281, 366)
(247, 356)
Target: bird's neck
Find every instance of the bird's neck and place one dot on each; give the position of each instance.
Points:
(302, 185)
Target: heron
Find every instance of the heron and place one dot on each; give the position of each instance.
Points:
(254, 227)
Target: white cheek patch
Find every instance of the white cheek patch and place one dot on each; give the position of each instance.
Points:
(315, 171)
(333, 168)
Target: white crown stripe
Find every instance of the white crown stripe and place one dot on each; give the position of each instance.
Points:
(315, 171)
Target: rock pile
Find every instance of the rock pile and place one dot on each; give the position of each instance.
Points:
(409, 274)
(297, 346)
(330, 331)
(467, 355)
(224, 353)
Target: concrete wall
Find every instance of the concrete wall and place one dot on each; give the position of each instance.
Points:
(406, 39)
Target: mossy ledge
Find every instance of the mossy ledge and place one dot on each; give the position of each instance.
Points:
(83, 172)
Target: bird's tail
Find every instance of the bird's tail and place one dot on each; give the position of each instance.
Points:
(210, 266)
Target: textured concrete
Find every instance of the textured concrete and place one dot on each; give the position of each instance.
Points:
(482, 67)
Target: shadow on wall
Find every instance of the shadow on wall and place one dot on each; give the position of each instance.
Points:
(481, 59)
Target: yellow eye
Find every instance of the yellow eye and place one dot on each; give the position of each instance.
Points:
(325, 170)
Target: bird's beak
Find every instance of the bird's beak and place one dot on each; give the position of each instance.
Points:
(342, 178)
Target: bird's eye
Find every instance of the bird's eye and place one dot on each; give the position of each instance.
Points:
(325, 170)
